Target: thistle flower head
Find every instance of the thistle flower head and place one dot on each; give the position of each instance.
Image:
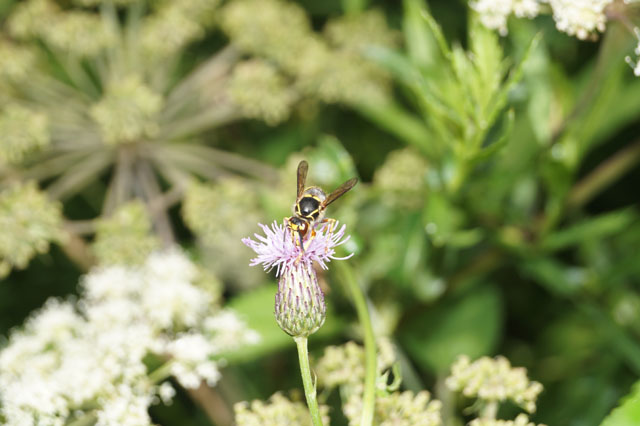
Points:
(277, 249)
(300, 309)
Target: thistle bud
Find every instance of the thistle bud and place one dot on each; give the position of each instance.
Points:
(300, 307)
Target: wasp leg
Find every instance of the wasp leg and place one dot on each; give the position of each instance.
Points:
(329, 224)
(301, 245)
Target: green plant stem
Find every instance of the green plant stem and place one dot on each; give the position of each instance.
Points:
(490, 410)
(606, 173)
(369, 398)
(309, 386)
(85, 420)
(161, 373)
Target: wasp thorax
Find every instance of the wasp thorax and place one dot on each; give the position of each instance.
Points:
(308, 207)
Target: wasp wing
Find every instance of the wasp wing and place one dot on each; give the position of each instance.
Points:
(303, 168)
(339, 192)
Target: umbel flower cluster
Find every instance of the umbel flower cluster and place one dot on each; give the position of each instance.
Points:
(29, 222)
(343, 367)
(581, 18)
(280, 410)
(87, 359)
(492, 381)
(299, 306)
(219, 226)
(125, 237)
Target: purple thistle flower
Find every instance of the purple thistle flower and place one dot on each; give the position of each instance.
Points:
(300, 309)
(278, 250)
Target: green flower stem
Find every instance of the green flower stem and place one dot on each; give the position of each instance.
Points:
(603, 175)
(490, 410)
(309, 386)
(161, 373)
(369, 398)
(85, 420)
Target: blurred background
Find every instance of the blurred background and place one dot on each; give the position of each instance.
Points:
(496, 211)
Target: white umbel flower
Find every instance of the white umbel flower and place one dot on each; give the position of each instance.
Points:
(190, 360)
(494, 13)
(580, 18)
(634, 63)
(88, 358)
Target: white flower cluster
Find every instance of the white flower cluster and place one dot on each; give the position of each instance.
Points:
(494, 380)
(521, 420)
(127, 111)
(88, 359)
(29, 221)
(398, 409)
(635, 64)
(345, 365)
(279, 411)
(580, 18)
(494, 13)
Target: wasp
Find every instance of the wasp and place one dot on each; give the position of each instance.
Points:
(310, 206)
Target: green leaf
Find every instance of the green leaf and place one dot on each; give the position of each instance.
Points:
(488, 63)
(441, 219)
(500, 99)
(354, 6)
(558, 278)
(417, 34)
(589, 229)
(401, 67)
(332, 164)
(256, 308)
(437, 33)
(496, 146)
(399, 122)
(627, 413)
(469, 325)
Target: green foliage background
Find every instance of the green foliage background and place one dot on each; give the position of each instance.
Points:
(496, 214)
